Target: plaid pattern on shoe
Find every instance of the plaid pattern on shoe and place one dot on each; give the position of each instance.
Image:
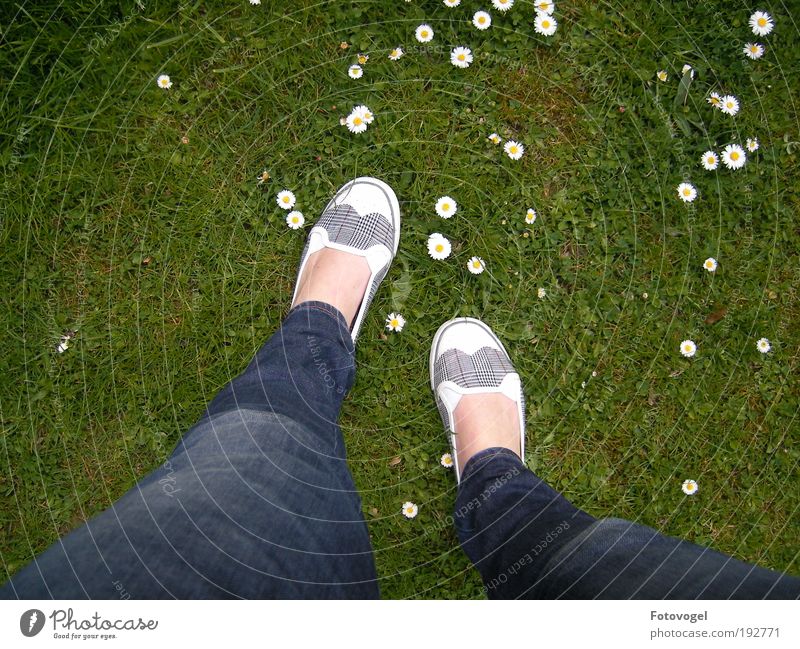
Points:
(485, 368)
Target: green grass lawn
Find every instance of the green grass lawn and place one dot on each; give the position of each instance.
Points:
(131, 215)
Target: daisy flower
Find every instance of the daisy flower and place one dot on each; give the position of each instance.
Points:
(729, 105)
(461, 57)
(494, 138)
(688, 348)
(710, 264)
(286, 199)
(295, 220)
(687, 192)
(364, 113)
(710, 161)
(752, 144)
(362, 58)
(733, 156)
(763, 345)
(446, 207)
(503, 5)
(541, 293)
(164, 81)
(396, 53)
(753, 50)
(530, 216)
(410, 510)
(689, 487)
(476, 265)
(255, 2)
(424, 33)
(395, 322)
(452, 3)
(482, 20)
(439, 246)
(544, 6)
(446, 461)
(662, 75)
(355, 123)
(514, 150)
(688, 68)
(355, 72)
(761, 23)
(715, 100)
(544, 24)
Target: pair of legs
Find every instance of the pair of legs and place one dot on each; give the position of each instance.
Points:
(257, 500)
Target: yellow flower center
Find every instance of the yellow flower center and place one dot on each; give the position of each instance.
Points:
(439, 247)
(445, 206)
(409, 510)
(424, 33)
(394, 52)
(546, 24)
(711, 160)
(715, 101)
(295, 219)
(362, 59)
(729, 104)
(762, 22)
(482, 19)
(476, 264)
(687, 348)
(367, 115)
(394, 323)
(513, 149)
(285, 199)
(735, 155)
(753, 49)
(686, 191)
(461, 57)
(709, 264)
(357, 121)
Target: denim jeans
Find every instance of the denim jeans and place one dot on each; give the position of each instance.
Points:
(528, 541)
(257, 501)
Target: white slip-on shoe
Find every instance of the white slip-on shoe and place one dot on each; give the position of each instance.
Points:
(467, 358)
(363, 219)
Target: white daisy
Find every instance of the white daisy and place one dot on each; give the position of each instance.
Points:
(763, 345)
(362, 58)
(729, 105)
(164, 81)
(410, 510)
(715, 100)
(63, 344)
(753, 50)
(689, 487)
(662, 75)
(439, 246)
(710, 161)
(355, 72)
(446, 207)
(733, 156)
(396, 53)
(295, 220)
(545, 24)
(364, 113)
(286, 199)
(482, 20)
(688, 68)
(503, 5)
(514, 150)
(688, 348)
(761, 23)
(255, 2)
(424, 33)
(710, 264)
(494, 138)
(356, 123)
(752, 144)
(461, 57)
(530, 216)
(395, 322)
(545, 6)
(476, 265)
(452, 3)
(687, 192)
(541, 293)
(446, 461)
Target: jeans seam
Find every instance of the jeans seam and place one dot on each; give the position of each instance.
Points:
(482, 457)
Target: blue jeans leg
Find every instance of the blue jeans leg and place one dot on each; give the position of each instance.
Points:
(256, 501)
(528, 541)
